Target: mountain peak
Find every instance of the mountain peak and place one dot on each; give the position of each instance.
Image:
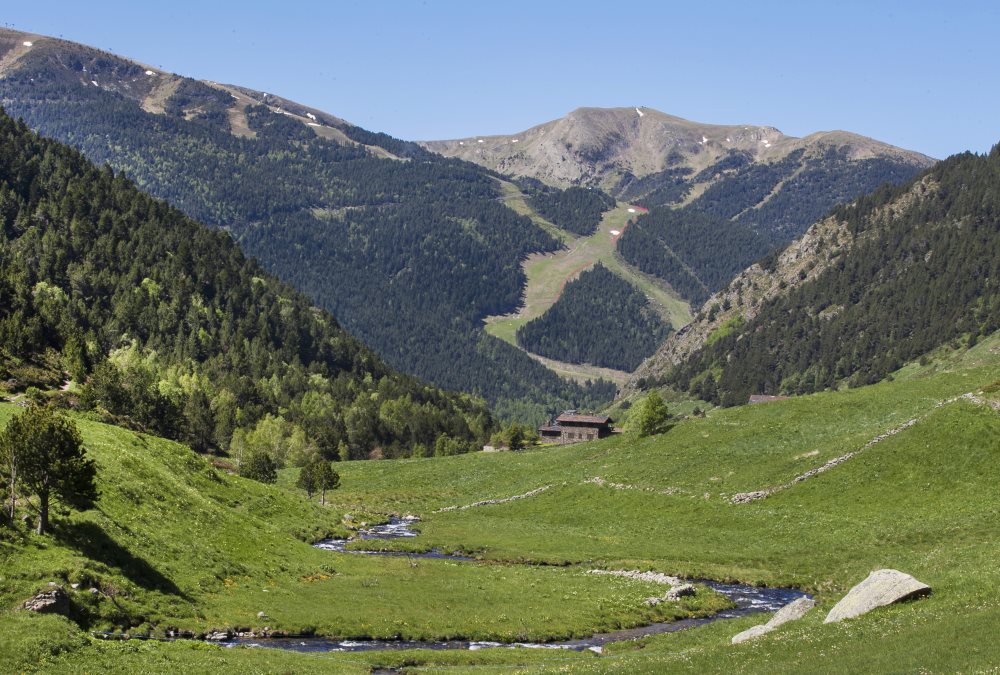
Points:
(603, 146)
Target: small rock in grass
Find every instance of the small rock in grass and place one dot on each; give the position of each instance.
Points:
(790, 612)
(682, 591)
(54, 601)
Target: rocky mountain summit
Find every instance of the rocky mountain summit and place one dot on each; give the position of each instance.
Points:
(612, 147)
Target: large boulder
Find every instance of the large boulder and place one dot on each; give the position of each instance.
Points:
(882, 587)
(793, 611)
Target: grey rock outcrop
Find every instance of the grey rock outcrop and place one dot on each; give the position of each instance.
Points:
(882, 587)
(793, 611)
(53, 601)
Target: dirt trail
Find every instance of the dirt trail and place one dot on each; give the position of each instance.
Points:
(12, 57)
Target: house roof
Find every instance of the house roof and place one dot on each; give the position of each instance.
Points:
(553, 429)
(584, 419)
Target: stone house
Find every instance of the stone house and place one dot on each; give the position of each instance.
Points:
(570, 427)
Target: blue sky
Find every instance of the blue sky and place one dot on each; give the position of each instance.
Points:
(922, 75)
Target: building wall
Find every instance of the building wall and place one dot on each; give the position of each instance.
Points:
(578, 434)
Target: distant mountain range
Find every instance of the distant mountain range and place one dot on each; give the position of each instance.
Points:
(410, 249)
(721, 196)
(616, 148)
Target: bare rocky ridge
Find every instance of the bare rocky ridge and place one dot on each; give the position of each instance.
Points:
(601, 146)
(151, 87)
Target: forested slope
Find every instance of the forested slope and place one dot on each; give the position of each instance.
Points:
(176, 332)
(408, 250)
(747, 210)
(599, 319)
(576, 209)
(922, 270)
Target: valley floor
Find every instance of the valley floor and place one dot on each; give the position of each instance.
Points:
(922, 500)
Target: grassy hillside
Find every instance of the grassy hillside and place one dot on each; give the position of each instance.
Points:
(922, 500)
(177, 543)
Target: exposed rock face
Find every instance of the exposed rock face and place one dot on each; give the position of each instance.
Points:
(790, 612)
(882, 587)
(52, 601)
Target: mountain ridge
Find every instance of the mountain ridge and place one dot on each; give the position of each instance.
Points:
(324, 205)
(883, 280)
(640, 141)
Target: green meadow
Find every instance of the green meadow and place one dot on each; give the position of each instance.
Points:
(180, 543)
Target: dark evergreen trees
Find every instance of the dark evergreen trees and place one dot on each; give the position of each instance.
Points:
(748, 210)
(576, 209)
(599, 319)
(175, 330)
(697, 253)
(923, 271)
(410, 255)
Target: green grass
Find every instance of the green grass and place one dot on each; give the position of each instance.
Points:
(176, 543)
(923, 501)
(727, 327)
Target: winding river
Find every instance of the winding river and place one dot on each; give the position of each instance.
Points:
(748, 600)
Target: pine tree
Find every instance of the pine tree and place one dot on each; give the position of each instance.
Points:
(44, 451)
(260, 467)
(325, 479)
(307, 479)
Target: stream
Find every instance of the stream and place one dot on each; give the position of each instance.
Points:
(748, 600)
